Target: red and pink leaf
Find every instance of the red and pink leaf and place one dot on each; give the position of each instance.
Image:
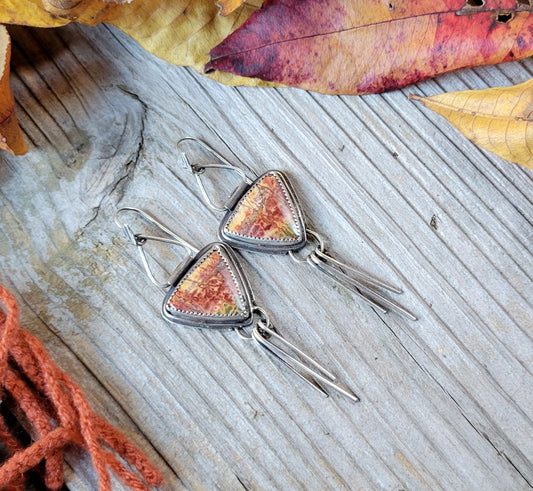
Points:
(367, 46)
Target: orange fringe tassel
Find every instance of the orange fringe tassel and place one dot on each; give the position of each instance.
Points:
(53, 409)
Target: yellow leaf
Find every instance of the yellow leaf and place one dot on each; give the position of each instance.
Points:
(499, 119)
(10, 134)
(28, 13)
(228, 6)
(179, 31)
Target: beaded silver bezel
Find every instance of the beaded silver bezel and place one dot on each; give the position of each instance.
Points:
(192, 319)
(269, 245)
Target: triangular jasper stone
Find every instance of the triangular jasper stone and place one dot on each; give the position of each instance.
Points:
(267, 216)
(211, 293)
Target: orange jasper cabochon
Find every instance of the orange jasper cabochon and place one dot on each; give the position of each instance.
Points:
(209, 289)
(265, 212)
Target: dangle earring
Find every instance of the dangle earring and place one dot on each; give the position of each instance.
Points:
(208, 289)
(264, 215)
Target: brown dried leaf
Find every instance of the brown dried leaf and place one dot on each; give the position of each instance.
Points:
(10, 135)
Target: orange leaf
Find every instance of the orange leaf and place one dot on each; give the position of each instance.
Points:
(228, 6)
(363, 46)
(10, 135)
(499, 120)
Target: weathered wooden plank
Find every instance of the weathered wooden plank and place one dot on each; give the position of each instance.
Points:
(445, 400)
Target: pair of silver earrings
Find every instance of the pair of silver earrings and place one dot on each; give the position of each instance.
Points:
(209, 289)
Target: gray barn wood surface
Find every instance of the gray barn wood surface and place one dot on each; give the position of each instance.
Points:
(446, 402)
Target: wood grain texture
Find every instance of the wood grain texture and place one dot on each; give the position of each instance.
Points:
(446, 401)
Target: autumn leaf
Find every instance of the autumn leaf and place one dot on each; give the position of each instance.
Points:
(499, 119)
(28, 13)
(179, 31)
(10, 135)
(366, 46)
(228, 6)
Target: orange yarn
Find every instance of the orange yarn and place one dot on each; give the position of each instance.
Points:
(54, 411)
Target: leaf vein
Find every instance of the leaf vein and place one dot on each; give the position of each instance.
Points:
(343, 30)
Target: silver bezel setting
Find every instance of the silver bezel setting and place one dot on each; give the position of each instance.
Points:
(212, 321)
(269, 245)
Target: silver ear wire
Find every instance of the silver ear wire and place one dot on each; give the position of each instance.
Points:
(199, 169)
(263, 333)
(140, 240)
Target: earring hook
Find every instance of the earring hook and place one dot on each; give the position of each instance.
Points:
(199, 169)
(263, 332)
(140, 240)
